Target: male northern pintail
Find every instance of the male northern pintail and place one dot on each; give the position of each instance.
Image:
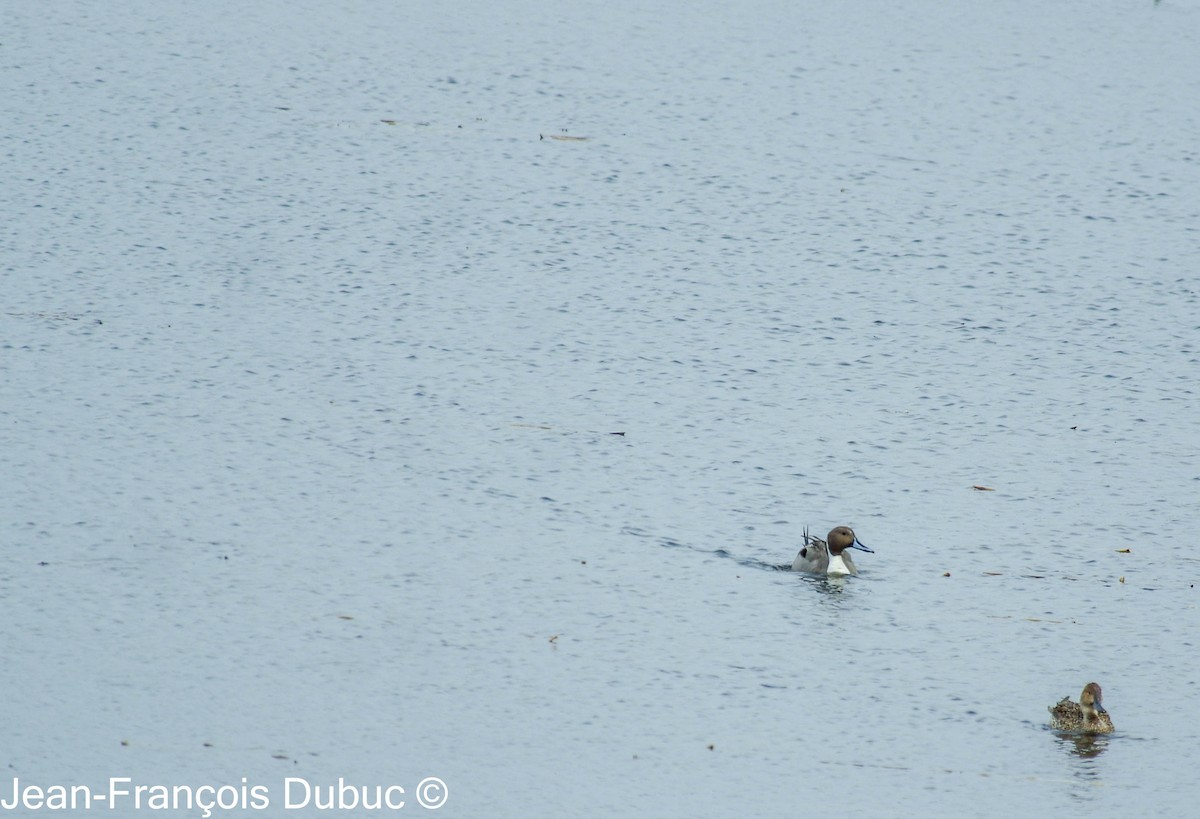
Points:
(1087, 715)
(816, 555)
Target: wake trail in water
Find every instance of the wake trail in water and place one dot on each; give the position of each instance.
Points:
(749, 562)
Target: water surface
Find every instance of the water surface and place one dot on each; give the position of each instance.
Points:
(315, 343)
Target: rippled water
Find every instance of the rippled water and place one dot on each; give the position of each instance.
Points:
(357, 426)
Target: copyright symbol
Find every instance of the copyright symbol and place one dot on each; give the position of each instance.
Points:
(432, 793)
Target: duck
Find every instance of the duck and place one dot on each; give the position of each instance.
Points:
(1086, 716)
(828, 556)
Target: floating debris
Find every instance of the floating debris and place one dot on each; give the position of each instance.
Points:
(979, 488)
(1124, 551)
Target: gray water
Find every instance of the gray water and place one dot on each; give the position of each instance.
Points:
(354, 426)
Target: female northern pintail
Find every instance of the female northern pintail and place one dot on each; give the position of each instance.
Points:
(828, 556)
(1087, 715)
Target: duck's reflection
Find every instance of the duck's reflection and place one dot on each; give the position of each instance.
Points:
(1084, 746)
(826, 584)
